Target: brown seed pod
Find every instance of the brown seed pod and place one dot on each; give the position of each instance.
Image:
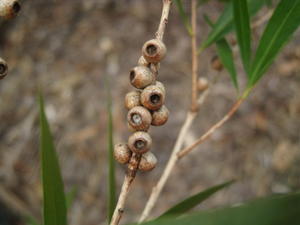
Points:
(161, 86)
(143, 62)
(154, 50)
(202, 84)
(148, 162)
(216, 63)
(140, 142)
(139, 118)
(122, 153)
(153, 97)
(132, 99)
(9, 8)
(160, 117)
(3, 68)
(141, 77)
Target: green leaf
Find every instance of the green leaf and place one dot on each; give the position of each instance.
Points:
(55, 212)
(184, 17)
(31, 221)
(226, 56)
(278, 210)
(282, 25)
(194, 200)
(111, 203)
(201, 2)
(224, 23)
(70, 197)
(243, 31)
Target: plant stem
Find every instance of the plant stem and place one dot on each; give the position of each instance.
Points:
(177, 154)
(135, 159)
(195, 66)
(129, 178)
(164, 19)
(191, 115)
(211, 130)
(171, 163)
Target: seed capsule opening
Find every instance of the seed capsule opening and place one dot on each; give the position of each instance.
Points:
(136, 119)
(155, 98)
(140, 144)
(132, 75)
(151, 49)
(16, 7)
(139, 118)
(3, 68)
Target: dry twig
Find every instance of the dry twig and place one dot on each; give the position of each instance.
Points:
(195, 66)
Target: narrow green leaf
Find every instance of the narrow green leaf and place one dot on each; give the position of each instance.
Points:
(224, 23)
(193, 201)
(282, 25)
(278, 210)
(243, 31)
(111, 203)
(70, 197)
(208, 20)
(226, 56)
(201, 2)
(54, 210)
(184, 17)
(31, 221)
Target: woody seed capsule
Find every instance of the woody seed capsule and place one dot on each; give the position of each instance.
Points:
(143, 62)
(216, 63)
(132, 99)
(140, 142)
(3, 68)
(141, 77)
(9, 8)
(122, 153)
(153, 97)
(139, 118)
(202, 84)
(161, 86)
(160, 117)
(154, 50)
(148, 162)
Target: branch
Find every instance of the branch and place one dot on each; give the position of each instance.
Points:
(171, 163)
(195, 103)
(194, 106)
(129, 178)
(135, 159)
(177, 154)
(205, 136)
(164, 19)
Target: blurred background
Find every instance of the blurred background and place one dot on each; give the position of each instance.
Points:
(68, 47)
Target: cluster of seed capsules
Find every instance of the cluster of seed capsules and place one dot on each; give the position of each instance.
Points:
(8, 10)
(145, 106)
